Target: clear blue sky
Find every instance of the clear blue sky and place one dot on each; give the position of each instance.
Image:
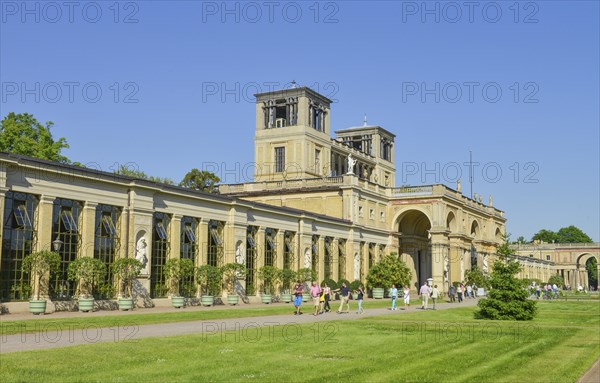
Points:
(191, 69)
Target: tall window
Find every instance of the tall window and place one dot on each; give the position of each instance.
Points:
(288, 250)
(328, 258)
(18, 240)
(65, 227)
(279, 159)
(161, 246)
(270, 247)
(215, 243)
(341, 259)
(315, 253)
(474, 257)
(188, 250)
(106, 243)
(251, 254)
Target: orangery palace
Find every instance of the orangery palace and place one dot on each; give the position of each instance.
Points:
(317, 201)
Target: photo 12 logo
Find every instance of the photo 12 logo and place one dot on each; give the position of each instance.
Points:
(52, 12)
(269, 12)
(452, 172)
(53, 92)
(214, 91)
(452, 12)
(453, 92)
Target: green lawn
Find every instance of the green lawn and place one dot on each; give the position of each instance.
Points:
(432, 346)
(10, 327)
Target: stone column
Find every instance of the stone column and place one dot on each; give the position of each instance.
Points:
(260, 248)
(44, 226)
(203, 241)
(321, 263)
(175, 235)
(280, 246)
(87, 227)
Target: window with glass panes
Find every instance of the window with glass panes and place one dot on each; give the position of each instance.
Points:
(107, 243)
(280, 159)
(251, 254)
(341, 260)
(65, 227)
(160, 253)
(315, 253)
(288, 250)
(18, 240)
(188, 250)
(328, 257)
(215, 243)
(270, 247)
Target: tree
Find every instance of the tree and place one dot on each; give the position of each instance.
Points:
(475, 277)
(572, 234)
(200, 180)
(521, 239)
(129, 171)
(505, 248)
(545, 236)
(23, 134)
(390, 270)
(591, 267)
(507, 298)
(556, 279)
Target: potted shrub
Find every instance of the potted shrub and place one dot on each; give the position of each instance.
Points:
(354, 285)
(231, 273)
(125, 271)
(174, 271)
(86, 272)
(390, 270)
(288, 277)
(209, 278)
(38, 265)
(270, 276)
(306, 275)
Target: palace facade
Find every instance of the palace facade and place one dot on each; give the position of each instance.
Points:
(318, 201)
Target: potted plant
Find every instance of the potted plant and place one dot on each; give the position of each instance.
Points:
(390, 270)
(86, 272)
(270, 276)
(125, 271)
(306, 275)
(38, 265)
(209, 278)
(174, 271)
(287, 280)
(232, 272)
(354, 285)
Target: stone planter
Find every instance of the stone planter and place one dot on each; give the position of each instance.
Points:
(37, 307)
(233, 299)
(286, 298)
(85, 304)
(178, 302)
(207, 300)
(125, 304)
(305, 297)
(378, 293)
(266, 298)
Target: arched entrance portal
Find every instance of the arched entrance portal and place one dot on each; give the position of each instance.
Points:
(415, 244)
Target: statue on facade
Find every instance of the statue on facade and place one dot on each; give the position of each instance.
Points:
(458, 186)
(491, 201)
(446, 267)
(351, 163)
(140, 254)
(356, 266)
(307, 258)
(485, 264)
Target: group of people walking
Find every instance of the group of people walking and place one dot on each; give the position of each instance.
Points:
(321, 296)
(461, 292)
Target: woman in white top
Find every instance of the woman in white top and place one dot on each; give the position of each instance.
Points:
(406, 297)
